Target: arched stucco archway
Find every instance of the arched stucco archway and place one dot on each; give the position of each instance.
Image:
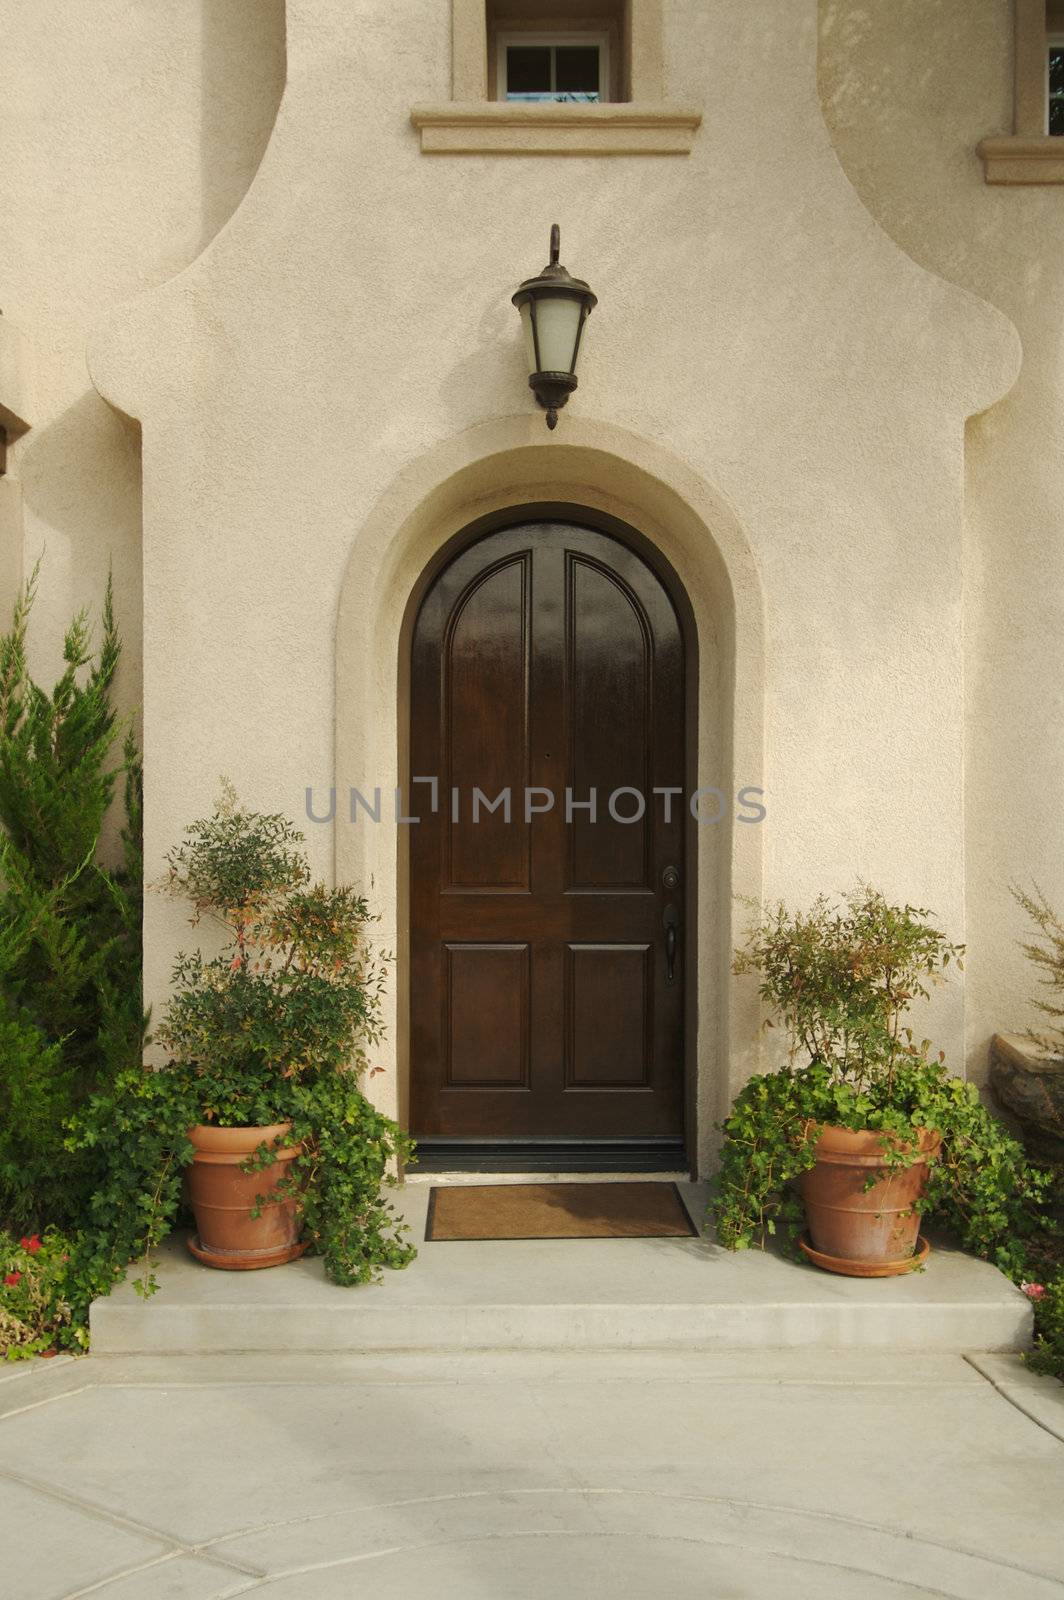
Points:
(615, 473)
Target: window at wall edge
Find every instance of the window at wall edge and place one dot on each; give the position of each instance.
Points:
(1055, 85)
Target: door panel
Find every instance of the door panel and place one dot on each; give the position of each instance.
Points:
(486, 663)
(609, 668)
(609, 1000)
(487, 1019)
(549, 658)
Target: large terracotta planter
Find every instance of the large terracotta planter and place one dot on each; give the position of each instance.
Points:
(223, 1198)
(864, 1232)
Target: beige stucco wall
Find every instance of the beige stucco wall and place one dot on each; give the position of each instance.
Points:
(795, 323)
(756, 326)
(906, 138)
(130, 129)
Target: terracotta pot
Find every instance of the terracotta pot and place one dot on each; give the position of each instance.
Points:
(863, 1232)
(223, 1198)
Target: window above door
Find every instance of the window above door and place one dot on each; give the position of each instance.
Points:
(557, 77)
(553, 68)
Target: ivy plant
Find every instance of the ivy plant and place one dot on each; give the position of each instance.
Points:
(274, 1027)
(841, 979)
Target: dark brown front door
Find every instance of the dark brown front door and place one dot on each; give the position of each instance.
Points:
(547, 963)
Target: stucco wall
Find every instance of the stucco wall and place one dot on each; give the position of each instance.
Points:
(755, 323)
(130, 130)
(909, 88)
(803, 358)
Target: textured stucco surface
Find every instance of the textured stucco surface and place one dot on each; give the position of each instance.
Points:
(355, 316)
(796, 321)
(906, 112)
(130, 130)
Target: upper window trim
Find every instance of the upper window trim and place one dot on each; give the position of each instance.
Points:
(584, 36)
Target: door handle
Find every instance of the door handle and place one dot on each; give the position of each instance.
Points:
(671, 921)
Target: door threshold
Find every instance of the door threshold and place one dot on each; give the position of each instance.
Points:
(414, 1177)
(445, 1153)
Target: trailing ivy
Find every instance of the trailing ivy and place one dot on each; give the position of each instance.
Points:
(274, 1028)
(981, 1186)
(841, 978)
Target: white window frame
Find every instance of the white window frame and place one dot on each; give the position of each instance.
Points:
(1054, 41)
(600, 40)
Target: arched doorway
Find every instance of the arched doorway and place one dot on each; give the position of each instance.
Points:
(551, 874)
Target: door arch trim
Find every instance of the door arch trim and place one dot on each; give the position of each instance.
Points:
(605, 469)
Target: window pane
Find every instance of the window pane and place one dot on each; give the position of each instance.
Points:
(1056, 90)
(528, 72)
(578, 72)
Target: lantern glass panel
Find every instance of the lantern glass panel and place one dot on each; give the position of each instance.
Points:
(558, 320)
(530, 343)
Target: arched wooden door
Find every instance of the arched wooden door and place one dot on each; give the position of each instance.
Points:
(547, 962)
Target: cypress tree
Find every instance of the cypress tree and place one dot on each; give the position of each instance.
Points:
(71, 1013)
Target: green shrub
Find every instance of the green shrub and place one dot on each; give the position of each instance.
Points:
(1047, 957)
(841, 978)
(35, 1313)
(1048, 1301)
(70, 991)
(274, 1028)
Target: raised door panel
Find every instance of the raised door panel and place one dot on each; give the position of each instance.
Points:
(609, 672)
(608, 1004)
(486, 1020)
(485, 714)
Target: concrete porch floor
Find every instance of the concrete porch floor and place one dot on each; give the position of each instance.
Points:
(605, 1295)
(532, 1476)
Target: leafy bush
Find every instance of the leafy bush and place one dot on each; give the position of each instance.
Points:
(70, 995)
(1048, 1301)
(1048, 958)
(35, 1314)
(272, 1029)
(841, 979)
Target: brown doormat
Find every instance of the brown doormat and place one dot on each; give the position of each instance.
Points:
(558, 1211)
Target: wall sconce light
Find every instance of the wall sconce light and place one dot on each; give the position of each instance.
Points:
(554, 308)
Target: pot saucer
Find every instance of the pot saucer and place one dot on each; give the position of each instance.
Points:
(243, 1260)
(867, 1269)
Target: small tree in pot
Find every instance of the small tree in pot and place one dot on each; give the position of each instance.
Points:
(260, 1102)
(861, 1123)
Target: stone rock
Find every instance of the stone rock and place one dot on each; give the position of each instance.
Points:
(1030, 1084)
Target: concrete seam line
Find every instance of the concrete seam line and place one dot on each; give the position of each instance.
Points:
(913, 1586)
(45, 1400)
(89, 1509)
(160, 1561)
(950, 1547)
(1009, 1394)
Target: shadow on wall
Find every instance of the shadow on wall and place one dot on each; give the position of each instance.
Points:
(80, 477)
(242, 77)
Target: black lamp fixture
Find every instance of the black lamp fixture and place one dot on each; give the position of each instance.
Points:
(554, 308)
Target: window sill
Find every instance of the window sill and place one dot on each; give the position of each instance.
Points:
(1019, 159)
(493, 127)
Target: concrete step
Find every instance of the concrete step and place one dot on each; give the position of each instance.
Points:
(580, 1294)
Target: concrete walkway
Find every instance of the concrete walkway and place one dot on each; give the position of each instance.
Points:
(532, 1476)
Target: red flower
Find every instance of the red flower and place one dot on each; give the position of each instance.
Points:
(1034, 1291)
(32, 1245)
(13, 1277)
